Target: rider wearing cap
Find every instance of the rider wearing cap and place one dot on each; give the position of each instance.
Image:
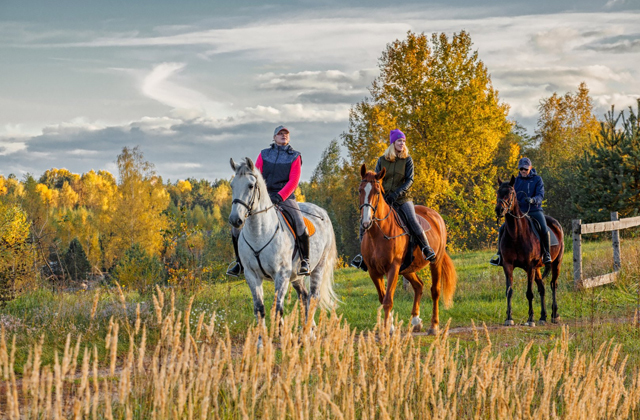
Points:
(529, 190)
(280, 166)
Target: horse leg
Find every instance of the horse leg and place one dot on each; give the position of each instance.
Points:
(530, 276)
(282, 286)
(417, 285)
(508, 273)
(378, 281)
(435, 298)
(255, 285)
(541, 291)
(303, 295)
(387, 301)
(555, 273)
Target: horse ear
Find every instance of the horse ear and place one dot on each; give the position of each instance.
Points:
(234, 166)
(512, 181)
(381, 174)
(363, 170)
(250, 163)
(500, 181)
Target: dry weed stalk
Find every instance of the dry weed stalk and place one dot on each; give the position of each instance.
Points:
(330, 372)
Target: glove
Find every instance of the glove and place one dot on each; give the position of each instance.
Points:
(531, 200)
(275, 198)
(391, 198)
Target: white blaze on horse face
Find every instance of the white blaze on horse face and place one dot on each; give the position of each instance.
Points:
(367, 211)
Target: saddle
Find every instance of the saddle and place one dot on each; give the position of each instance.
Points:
(535, 227)
(408, 256)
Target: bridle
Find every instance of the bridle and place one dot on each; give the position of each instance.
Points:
(508, 204)
(374, 219)
(249, 206)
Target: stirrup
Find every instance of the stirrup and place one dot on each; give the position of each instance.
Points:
(428, 253)
(496, 260)
(358, 262)
(234, 269)
(304, 268)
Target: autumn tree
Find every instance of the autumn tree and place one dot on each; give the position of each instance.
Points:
(138, 206)
(565, 130)
(440, 94)
(16, 256)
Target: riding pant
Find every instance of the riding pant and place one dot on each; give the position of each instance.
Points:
(539, 216)
(293, 214)
(408, 213)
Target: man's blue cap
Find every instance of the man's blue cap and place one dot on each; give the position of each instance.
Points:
(525, 163)
(279, 129)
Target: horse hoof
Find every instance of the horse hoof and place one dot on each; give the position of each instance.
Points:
(530, 324)
(433, 331)
(555, 320)
(416, 328)
(542, 322)
(509, 323)
(416, 323)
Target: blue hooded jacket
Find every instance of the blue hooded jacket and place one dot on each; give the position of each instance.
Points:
(529, 186)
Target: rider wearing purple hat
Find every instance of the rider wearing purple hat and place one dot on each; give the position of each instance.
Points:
(530, 193)
(397, 184)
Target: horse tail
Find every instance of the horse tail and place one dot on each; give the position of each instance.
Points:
(327, 298)
(449, 279)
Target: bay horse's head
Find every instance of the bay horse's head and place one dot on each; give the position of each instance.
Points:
(370, 194)
(245, 190)
(506, 199)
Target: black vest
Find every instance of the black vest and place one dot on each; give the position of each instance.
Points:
(276, 166)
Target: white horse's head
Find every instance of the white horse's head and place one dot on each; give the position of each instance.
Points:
(247, 189)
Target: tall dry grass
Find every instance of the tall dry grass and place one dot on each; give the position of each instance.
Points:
(194, 373)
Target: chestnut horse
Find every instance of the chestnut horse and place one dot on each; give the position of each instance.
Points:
(521, 248)
(385, 244)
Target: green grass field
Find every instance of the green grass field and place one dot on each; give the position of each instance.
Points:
(593, 315)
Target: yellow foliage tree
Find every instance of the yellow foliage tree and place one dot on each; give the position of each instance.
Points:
(16, 257)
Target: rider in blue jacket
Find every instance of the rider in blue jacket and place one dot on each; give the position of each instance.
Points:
(530, 193)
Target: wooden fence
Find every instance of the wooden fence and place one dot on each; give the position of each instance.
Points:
(614, 226)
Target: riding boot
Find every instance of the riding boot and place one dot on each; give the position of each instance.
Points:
(303, 243)
(427, 251)
(236, 267)
(497, 259)
(358, 262)
(546, 247)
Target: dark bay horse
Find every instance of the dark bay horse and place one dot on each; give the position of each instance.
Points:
(385, 244)
(521, 248)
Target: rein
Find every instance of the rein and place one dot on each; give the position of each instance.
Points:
(376, 220)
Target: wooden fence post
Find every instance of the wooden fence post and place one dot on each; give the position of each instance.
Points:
(577, 252)
(615, 239)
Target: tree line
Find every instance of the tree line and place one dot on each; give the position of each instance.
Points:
(139, 230)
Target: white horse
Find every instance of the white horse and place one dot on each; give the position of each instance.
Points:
(266, 245)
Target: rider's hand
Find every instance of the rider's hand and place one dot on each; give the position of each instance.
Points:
(531, 200)
(275, 198)
(391, 198)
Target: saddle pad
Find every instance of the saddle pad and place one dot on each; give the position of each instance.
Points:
(311, 229)
(535, 226)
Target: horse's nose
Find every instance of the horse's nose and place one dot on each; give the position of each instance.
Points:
(365, 224)
(235, 222)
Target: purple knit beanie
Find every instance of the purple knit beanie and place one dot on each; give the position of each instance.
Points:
(395, 135)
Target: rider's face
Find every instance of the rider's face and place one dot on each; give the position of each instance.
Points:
(282, 138)
(525, 171)
(399, 144)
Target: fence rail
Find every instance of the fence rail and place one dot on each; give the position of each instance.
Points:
(614, 226)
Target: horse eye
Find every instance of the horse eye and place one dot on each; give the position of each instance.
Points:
(250, 186)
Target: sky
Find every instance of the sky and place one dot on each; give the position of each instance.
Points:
(195, 83)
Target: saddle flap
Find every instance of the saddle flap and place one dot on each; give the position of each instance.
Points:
(426, 226)
(311, 229)
(535, 227)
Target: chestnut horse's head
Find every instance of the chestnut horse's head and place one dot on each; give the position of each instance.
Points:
(370, 194)
(506, 199)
